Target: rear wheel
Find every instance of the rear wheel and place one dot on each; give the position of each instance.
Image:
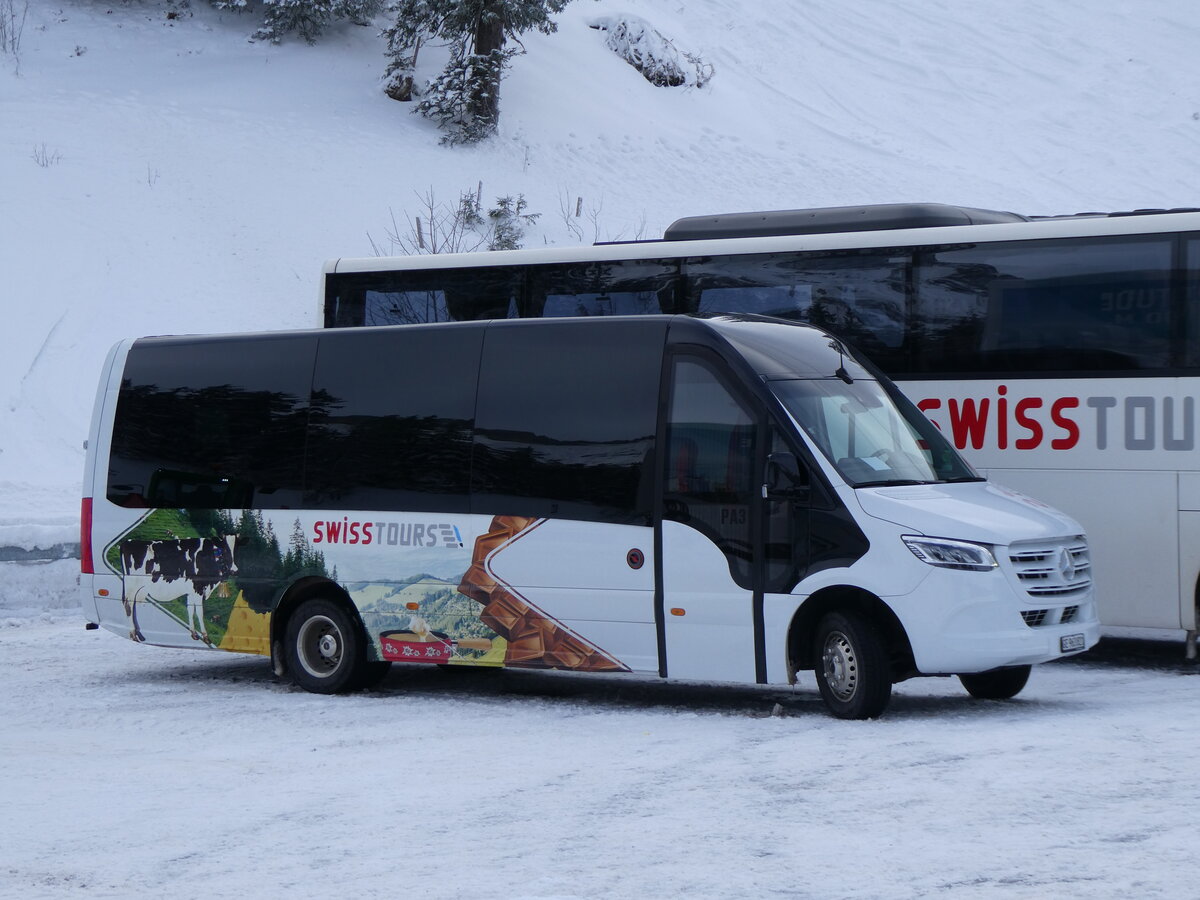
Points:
(325, 648)
(853, 673)
(998, 684)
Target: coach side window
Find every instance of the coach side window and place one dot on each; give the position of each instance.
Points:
(391, 422)
(415, 296)
(212, 423)
(1083, 304)
(603, 288)
(858, 295)
(566, 419)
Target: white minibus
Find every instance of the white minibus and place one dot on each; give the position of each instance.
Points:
(728, 498)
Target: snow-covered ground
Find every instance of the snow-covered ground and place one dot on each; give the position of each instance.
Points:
(134, 771)
(162, 174)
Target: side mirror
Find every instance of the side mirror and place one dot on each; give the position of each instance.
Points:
(784, 479)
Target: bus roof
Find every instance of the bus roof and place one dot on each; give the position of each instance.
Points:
(846, 219)
(830, 219)
(900, 232)
(771, 347)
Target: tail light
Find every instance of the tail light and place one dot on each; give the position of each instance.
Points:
(85, 537)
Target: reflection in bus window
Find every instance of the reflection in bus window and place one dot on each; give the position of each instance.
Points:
(413, 296)
(1049, 307)
(606, 304)
(792, 301)
(212, 425)
(391, 418)
(617, 288)
(856, 295)
(405, 307)
(563, 430)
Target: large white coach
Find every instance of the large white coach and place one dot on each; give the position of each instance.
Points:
(1060, 355)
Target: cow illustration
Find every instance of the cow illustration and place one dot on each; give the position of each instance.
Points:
(192, 567)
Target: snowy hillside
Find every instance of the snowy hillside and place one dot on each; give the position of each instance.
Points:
(160, 173)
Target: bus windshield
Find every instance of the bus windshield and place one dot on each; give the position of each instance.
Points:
(871, 438)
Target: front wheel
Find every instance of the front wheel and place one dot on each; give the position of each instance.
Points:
(853, 673)
(324, 647)
(998, 684)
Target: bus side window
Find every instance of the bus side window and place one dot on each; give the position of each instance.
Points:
(212, 424)
(1090, 304)
(391, 421)
(617, 288)
(414, 296)
(858, 295)
(566, 420)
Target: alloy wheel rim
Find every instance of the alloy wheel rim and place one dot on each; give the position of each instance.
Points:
(319, 643)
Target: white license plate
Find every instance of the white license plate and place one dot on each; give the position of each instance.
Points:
(1070, 642)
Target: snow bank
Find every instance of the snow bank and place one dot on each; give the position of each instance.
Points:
(658, 59)
(39, 592)
(28, 537)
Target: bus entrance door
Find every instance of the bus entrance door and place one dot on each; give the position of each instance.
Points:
(711, 498)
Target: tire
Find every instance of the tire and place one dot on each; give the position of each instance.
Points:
(326, 653)
(998, 684)
(852, 666)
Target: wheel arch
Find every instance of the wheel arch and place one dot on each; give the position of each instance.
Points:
(847, 597)
(296, 593)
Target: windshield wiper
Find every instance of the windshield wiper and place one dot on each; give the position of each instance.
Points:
(891, 483)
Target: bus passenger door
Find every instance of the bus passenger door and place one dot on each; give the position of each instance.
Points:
(711, 530)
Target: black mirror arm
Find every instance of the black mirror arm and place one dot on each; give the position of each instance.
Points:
(783, 479)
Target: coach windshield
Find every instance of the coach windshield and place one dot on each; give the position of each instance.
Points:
(872, 438)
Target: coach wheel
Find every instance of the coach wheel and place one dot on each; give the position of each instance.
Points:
(852, 669)
(998, 684)
(325, 648)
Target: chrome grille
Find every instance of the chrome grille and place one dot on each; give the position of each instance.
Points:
(1054, 569)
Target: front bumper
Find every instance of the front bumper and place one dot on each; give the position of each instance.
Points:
(963, 622)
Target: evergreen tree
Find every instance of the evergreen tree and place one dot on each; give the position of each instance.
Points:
(308, 18)
(465, 98)
(509, 221)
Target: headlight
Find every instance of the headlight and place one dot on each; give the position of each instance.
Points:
(950, 554)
